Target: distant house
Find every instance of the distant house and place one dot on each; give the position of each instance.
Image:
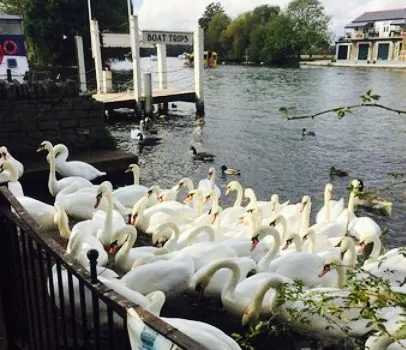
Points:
(373, 36)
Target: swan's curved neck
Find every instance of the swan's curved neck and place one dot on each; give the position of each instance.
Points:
(376, 249)
(63, 225)
(52, 177)
(189, 184)
(136, 175)
(297, 241)
(312, 243)
(351, 203)
(198, 204)
(215, 200)
(121, 260)
(228, 291)
(238, 199)
(351, 255)
(341, 275)
(104, 235)
(266, 259)
(327, 204)
(174, 238)
(191, 238)
(281, 220)
(305, 218)
(63, 154)
(250, 194)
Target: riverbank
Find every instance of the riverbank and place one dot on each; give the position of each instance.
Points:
(355, 64)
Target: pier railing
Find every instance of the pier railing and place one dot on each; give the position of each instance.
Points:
(51, 302)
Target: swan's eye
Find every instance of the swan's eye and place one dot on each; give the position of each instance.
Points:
(289, 241)
(99, 195)
(255, 239)
(209, 212)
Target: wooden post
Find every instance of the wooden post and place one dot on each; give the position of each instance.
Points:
(107, 81)
(135, 54)
(198, 49)
(81, 63)
(147, 82)
(9, 76)
(162, 74)
(94, 28)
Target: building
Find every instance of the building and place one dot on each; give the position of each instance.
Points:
(13, 56)
(373, 36)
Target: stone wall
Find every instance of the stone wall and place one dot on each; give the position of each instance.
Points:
(33, 112)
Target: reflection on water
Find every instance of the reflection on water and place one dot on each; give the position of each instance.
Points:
(244, 130)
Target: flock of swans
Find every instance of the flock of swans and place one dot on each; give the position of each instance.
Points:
(240, 255)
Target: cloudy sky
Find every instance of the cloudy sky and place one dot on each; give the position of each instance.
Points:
(182, 15)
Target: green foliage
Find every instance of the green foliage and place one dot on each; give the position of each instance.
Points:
(212, 9)
(50, 26)
(369, 99)
(267, 33)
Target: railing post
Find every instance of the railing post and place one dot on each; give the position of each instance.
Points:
(92, 255)
(147, 82)
(81, 63)
(162, 74)
(198, 50)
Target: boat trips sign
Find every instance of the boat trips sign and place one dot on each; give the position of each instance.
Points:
(169, 38)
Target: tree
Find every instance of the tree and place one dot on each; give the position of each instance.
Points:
(214, 39)
(238, 35)
(50, 26)
(280, 44)
(310, 25)
(212, 10)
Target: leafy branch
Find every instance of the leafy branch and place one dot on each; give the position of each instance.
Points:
(368, 100)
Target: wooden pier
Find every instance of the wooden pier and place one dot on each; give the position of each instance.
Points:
(126, 99)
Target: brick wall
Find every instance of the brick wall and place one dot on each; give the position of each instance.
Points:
(33, 112)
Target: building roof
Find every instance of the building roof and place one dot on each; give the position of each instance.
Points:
(384, 15)
(5, 16)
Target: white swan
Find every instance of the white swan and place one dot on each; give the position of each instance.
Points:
(129, 195)
(169, 194)
(209, 185)
(235, 295)
(148, 219)
(314, 306)
(5, 156)
(230, 215)
(9, 173)
(111, 220)
(169, 273)
(55, 186)
(73, 168)
(331, 209)
(390, 266)
(359, 225)
(264, 206)
(123, 240)
(42, 213)
(277, 207)
(217, 281)
(178, 240)
(302, 266)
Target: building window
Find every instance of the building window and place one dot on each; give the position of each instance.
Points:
(12, 63)
(386, 28)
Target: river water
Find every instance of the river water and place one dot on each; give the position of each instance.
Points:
(244, 129)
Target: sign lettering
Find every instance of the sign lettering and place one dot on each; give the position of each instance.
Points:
(169, 38)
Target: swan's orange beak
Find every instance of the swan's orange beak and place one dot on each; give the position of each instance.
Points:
(188, 198)
(113, 248)
(273, 206)
(214, 218)
(40, 148)
(227, 191)
(160, 199)
(254, 243)
(362, 245)
(5, 155)
(134, 220)
(302, 207)
(326, 269)
(206, 199)
(209, 175)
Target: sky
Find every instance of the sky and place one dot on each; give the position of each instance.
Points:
(182, 15)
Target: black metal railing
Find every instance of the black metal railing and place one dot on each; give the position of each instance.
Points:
(51, 302)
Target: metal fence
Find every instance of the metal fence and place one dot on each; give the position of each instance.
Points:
(50, 302)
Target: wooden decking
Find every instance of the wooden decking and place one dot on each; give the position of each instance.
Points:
(126, 99)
